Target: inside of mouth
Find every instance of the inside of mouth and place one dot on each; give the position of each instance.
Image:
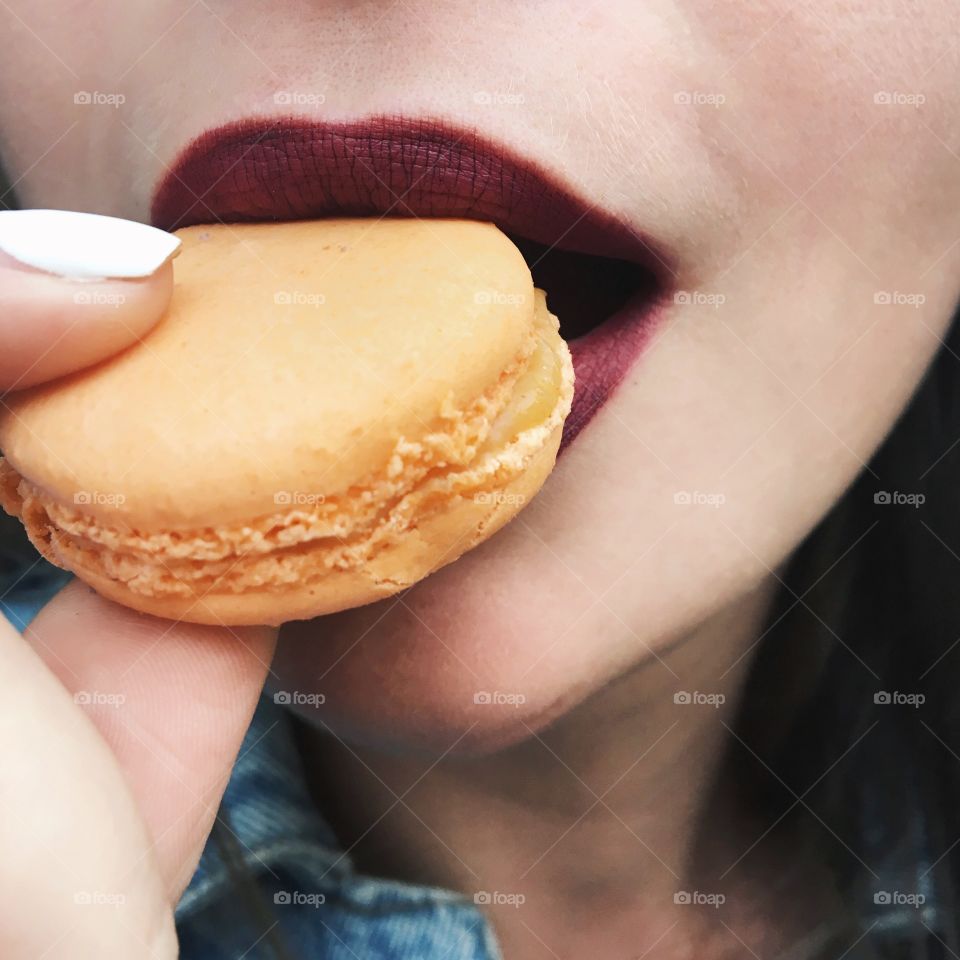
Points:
(583, 290)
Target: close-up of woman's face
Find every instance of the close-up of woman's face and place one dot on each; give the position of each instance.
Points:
(771, 190)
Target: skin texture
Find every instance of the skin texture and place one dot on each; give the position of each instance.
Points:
(812, 202)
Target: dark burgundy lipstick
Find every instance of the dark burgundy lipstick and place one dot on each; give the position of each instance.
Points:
(605, 281)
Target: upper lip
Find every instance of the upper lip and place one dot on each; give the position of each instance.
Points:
(604, 279)
(287, 168)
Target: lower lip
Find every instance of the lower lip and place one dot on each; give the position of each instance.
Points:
(292, 169)
(603, 357)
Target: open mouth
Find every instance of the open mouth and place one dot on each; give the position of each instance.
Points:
(603, 280)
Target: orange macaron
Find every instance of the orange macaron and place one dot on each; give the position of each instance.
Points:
(328, 412)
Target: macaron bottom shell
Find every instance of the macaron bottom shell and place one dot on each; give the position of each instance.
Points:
(448, 535)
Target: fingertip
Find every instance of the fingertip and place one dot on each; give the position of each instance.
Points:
(51, 326)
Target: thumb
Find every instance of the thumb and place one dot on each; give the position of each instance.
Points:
(76, 288)
(172, 700)
(77, 877)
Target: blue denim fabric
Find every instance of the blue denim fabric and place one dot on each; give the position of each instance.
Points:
(26, 584)
(324, 908)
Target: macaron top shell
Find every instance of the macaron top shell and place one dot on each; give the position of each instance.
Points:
(292, 359)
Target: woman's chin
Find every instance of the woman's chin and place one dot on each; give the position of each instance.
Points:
(417, 724)
(398, 694)
(431, 671)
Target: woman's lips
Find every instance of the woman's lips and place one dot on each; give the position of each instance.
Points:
(294, 168)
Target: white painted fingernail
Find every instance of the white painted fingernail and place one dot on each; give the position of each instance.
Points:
(84, 246)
